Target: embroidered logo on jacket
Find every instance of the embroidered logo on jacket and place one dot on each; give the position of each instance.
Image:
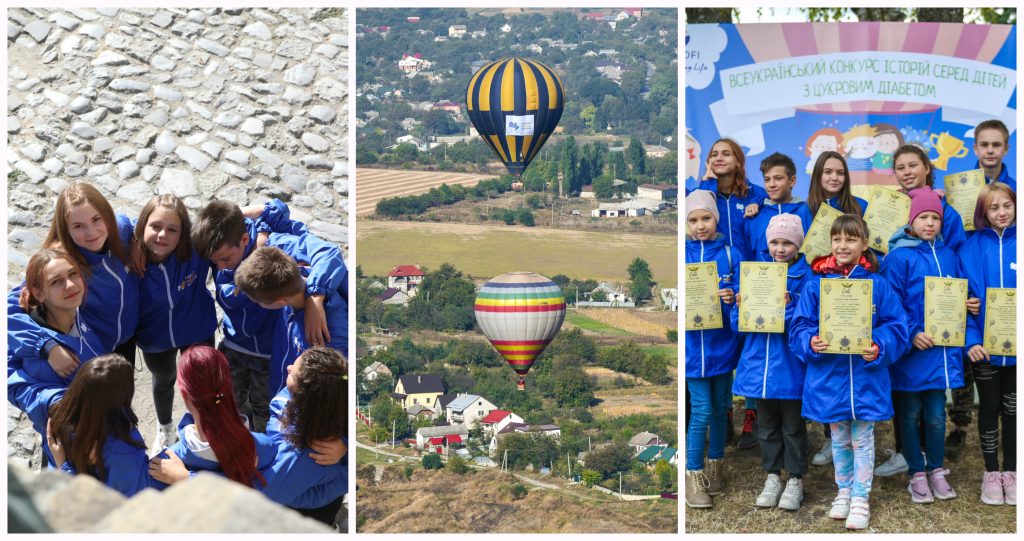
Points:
(188, 281)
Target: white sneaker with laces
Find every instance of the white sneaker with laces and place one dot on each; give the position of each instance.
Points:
(793, 495)
(769, 497)
(166, 436)
(824, 455)
(896, 463)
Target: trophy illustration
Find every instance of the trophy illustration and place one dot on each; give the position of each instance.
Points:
(947, 146)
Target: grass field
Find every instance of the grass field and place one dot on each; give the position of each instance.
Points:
(576, 319)
(484, 251)
(372, 185)
(891, 508)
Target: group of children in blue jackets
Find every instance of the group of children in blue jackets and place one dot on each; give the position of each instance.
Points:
(903, 376)
(266, 408)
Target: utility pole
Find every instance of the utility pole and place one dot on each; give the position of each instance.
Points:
(620, 485)
(393, 421)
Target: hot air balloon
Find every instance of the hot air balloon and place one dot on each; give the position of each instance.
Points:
(520, 313)
(515, 104)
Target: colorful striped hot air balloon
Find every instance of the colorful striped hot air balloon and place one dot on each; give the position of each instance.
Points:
(520, 313)
(515, 105)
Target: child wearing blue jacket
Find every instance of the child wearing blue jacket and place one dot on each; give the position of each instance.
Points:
(770, 372)
(85, 227)
(922, 376)
(735, 196)
(93, 430)
(711, 355)
(830, 185)
(850, 392)
(212, 435)
(914, 170)
(50, 304)
(990, 261)
(177, 309)
(307, 417)
(273, 280)
(227, 235)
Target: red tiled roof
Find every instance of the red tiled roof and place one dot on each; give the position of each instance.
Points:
(495, 416)
(454, 438)
(406, 270)
(437, 441)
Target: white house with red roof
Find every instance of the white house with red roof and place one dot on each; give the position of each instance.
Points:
(497, 420)
(406, 278)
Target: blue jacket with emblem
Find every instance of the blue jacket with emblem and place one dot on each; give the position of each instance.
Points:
(756, 227)
(908, 262)
(713, 352)
(834, 203)
(767, 368)
(989, 259)
(294, 479)
(845, 387)
(177, 309)
(730, 215)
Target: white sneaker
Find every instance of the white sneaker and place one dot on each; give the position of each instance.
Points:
(841, 505)
(769, 497)
(824, 455)
(860, 514)
(793, 495)
(895, 464)
(166, 436)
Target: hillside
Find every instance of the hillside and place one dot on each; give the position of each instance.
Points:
(480, 502)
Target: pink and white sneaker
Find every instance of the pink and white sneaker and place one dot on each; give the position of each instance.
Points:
(919, 490)
(939, 486)
(992, 488)
(1010, 487)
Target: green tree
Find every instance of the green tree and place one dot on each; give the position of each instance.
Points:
(611, 458)
(456, 464)
(525, 217)
(509, 217)
(573, 388)
(590, 477)
(672, 335)
(635, 155)
(386, 413)
(405, 153)
(432, 461)
(603, 188)
(638, 266)
(518, 491)
(569, 166)
(666, 474)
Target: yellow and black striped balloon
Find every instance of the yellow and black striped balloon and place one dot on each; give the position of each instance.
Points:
(515, 105)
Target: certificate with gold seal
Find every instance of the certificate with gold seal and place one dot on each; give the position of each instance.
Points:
(945, 310)
(888, 211)
(1001, 321)
(818, 240)
(703, 306)
(962, 191)
(762, 303)
(845, 315)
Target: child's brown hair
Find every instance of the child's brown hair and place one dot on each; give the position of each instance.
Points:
(168, 201)
(268, 275)
(75, 195)
(220, 224)
(852, 225)
(989, 191)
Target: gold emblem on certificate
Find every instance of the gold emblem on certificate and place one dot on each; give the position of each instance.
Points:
(888, 210)
(763, 297)
(845, 315)
(1001, 321)
(703, 306)
(945, 310)
(962, 191)
(818, 241)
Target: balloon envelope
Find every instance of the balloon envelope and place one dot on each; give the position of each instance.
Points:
(515, 105)
(520, 313)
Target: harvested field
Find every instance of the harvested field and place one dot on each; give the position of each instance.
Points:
(372, 185)
(650, 399)
(484, 251)
(653, 324)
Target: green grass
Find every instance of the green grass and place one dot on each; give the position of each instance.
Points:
(588, 324)
(485, 251)
(672, 351)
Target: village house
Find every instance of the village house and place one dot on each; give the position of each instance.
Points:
(441, 404)
(506, 28)
(612, 294)
(643, 440)
(468, 409)
(409, 123)
(652, 455)
(635, 207)
(670, 298)
(413, 62)
(477, 34)
(551, 431)
(440, 39)
(393, 295)
(412, 19)
(406, 278)
(413, 389)
(497, 420)
(419, 411)
(587, 192)
(657, 192)
(456, 30)
(656, 151)
(436, 438)
(534, 48)
(375, 370)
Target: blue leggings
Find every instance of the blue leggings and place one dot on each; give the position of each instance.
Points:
(709, 398)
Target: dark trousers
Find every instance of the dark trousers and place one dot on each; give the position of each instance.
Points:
(782, 433)
(163, 365)
(997, 387)
(898, 428)
(326, 514)
(127, 350)
(963, 398)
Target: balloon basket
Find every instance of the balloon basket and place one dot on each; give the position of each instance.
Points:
(521, 384)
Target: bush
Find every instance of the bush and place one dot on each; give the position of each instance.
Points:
(590, 478)
(672, 335)
(519, 491)
(432, 461)
(534, 201)
(456, 464)
(525, 217)
(508, 217)
(407, 472)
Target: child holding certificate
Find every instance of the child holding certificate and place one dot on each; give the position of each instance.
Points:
(711, 355)
(849, 390)
(990, 261)
(914, 170)
(830, 184)
(726, 179)
(769, 371)
(921, 377)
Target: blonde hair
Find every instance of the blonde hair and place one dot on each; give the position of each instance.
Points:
(988, 192)
(860, 130)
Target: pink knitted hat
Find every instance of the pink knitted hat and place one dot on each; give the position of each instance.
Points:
(922, 200)
(786, 226)
(702, 200)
